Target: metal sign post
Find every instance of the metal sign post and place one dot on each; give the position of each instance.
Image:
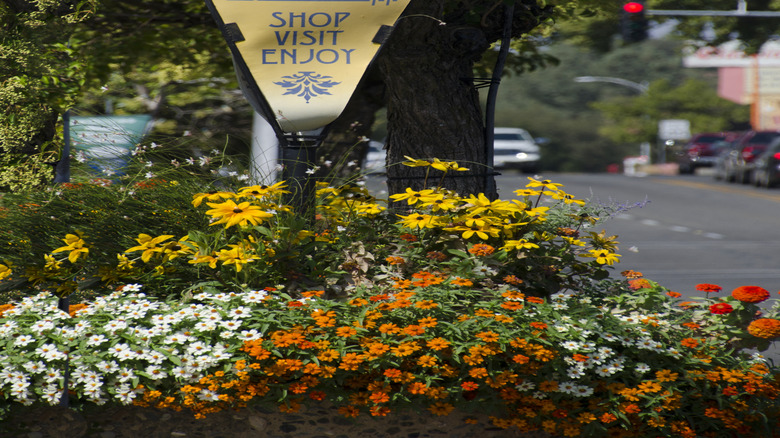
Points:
(298, 63)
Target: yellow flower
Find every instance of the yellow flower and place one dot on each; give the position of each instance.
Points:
(518, 245)
(483, 233)
(261, 191)
(230, 213)
(445, 166)
(5, 270)
(52, 264)
(412, 196)
(235, 256)
(603, 257)
(546, 184)
(198, 199)
(149, 245)
(416, 220)
(414, 162)
(75, 244)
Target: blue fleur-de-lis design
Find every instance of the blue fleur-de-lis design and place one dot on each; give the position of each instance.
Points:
(307, 84)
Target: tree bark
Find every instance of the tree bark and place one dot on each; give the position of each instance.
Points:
(433, 107)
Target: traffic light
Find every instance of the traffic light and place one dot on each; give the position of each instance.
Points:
(633, 23)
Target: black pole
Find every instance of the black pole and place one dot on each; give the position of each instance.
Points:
(62, 168)
(64, 304)
(490, 106)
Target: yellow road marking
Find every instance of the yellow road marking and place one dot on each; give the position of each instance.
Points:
(722, 189)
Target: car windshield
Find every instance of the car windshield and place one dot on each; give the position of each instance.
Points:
(708, 139)
(764, 137)
(510, 136)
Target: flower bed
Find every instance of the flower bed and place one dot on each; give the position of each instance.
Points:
(498, 313)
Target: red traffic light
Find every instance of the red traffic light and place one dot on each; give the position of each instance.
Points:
(633, 7)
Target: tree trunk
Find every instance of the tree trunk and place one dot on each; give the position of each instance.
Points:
(433, 108)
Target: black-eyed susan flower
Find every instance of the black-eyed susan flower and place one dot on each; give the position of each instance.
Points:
(148, 245)
(603, 257)
(417, 220)
(412, 196)
(546, 184)
(75, 246)
(230, 213)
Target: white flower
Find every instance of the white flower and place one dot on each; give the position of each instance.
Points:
(250, 335)
(34, 367)
(642, 368)
(131, 288)
(313, 170)
(240, 312)
(583, 391)
(23, 340)
(125, 374)
(125, 394)
(571, 345)
(207, 395)
(155, 372)
(525, 386)
(575, 373)
(49, 352)
(51, 394)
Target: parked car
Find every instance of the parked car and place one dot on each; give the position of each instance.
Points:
(515, 148)
(702, 150)
(766, 167)
(750, 146)
(725, 161)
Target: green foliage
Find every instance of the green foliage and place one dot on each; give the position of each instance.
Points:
(39, 76)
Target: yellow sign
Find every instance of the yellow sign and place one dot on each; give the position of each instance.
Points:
(305, 57)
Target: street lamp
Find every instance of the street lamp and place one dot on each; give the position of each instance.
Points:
(640, 87)
(644, 148)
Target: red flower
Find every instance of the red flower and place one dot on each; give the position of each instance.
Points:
(469, 386)
(707, 287)
(721, 308)
(750, 294)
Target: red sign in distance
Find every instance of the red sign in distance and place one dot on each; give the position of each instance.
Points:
(633, 7)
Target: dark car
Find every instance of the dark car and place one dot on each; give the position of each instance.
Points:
(750, 146)
(766, 167)
(702, 150)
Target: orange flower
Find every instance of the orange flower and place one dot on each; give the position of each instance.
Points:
(440, 408)
(535, 300)
(639, 283)
(538, 325)
(428, 321)
(707, 287)
(345, 332)
(317, 395)
(666, 376)
(418, 388)
(379, 397)
(389, 328)
(413, 330)
(674, 294)
(631, 274)
(513, 280)
(438, 344)
(393, 374)
(349, 411)
(512, 305)
(689, 342)
(395, 260)
(765, 328)
(408, 237)
(488, 336)
(750, 294)
(462, 282)
(426, 304)
(481, 249)
(426, 361)
(379, 411)
(607, 418)
(478, 372)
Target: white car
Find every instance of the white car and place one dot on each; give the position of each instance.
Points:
(515, 148)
